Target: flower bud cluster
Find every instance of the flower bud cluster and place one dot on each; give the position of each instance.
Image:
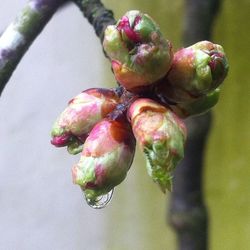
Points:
(157, 89)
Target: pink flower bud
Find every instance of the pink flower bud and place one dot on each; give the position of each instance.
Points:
(106, 158)
(82, 113)
(139, 53)
(195, 71)
(161, 136)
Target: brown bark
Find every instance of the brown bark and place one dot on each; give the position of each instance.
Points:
(188, 213)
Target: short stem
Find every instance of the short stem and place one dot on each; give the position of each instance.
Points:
(20, 34)
(127, 98)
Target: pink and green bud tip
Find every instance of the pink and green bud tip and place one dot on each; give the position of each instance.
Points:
(106, 158)
(197, 107)
(195, 71)
(139, 53)
(161, 136)
(82, 113)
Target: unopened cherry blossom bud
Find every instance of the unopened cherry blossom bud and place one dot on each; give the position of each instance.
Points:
(161, 136)
(82, 113)
(139, 53)
(106, 158)
(197, 107)
(195, 71)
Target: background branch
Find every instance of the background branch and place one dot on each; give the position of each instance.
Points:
(20, 34)
(188, 213)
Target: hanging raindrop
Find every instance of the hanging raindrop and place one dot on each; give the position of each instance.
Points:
(100, 201)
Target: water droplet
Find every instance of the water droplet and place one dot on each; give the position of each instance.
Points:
(100, 201)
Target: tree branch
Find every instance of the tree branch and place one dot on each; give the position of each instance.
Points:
(96, 13)
(20, 34)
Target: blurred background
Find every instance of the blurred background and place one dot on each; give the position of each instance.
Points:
(40, 208)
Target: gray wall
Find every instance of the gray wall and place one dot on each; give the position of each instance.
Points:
(40, 208)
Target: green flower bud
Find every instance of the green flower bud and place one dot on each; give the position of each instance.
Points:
(82, 113)
(197, 107)
(106, 158)
(139, 53)
(196, 71)
(161, 136)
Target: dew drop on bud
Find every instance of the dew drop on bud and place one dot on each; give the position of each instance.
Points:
(100, 201)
